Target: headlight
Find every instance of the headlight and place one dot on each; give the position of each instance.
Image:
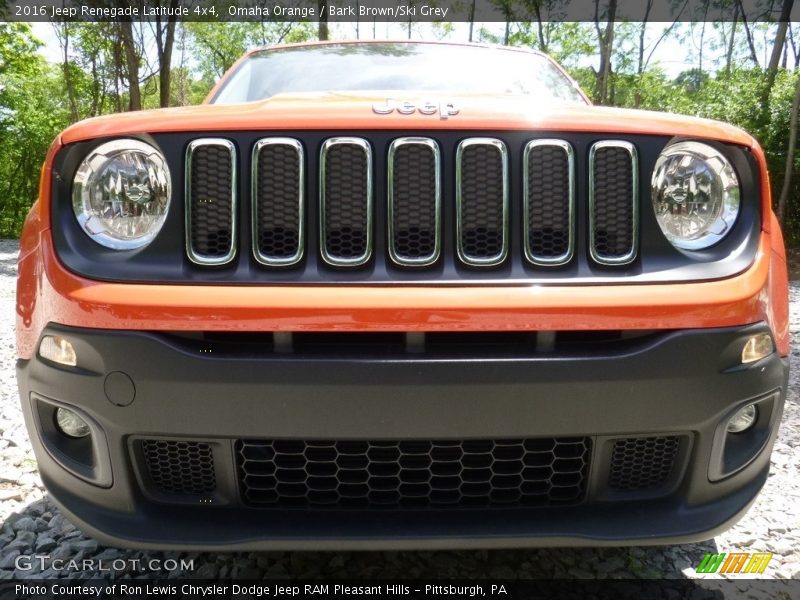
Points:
(695, 195)
(121, 194)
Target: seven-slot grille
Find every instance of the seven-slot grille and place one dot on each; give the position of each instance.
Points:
(414, 202)
(413, 473)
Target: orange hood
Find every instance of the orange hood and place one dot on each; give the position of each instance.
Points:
(353, 111)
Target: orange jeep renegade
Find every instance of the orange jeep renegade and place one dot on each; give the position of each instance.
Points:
(396, 295)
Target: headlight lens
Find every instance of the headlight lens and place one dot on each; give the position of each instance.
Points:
(121, 194)
(695, 195)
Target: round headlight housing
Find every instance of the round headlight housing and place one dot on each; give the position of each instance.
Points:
(695, 195)
(121, 194)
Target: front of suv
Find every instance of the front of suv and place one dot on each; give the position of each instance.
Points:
(448, 303)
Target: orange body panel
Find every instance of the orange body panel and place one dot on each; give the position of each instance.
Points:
(47, 292)
(353, 111)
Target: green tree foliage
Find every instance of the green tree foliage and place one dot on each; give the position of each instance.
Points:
(32, 112)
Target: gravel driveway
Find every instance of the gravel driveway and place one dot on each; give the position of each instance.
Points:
(31, 524)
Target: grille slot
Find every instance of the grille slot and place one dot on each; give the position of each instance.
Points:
(482, 201)
(643, 463)
(613, 202)
(211, 201)
(414, 201)
(465, 473)
(346, 201)
(277, 198)
(180, 468)
(549, 202)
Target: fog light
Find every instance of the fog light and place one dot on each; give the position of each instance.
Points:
(743, 420)
(58, 350)
(757, 347)
(71, 424)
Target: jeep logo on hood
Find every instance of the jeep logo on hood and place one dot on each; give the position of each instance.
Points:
(424, 107)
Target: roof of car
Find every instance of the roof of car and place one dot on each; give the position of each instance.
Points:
(396, 41)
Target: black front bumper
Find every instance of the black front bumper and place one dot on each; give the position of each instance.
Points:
(680, 385)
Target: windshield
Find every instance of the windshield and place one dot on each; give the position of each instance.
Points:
(396, 67)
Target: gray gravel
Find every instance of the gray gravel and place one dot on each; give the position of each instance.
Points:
(32, 525)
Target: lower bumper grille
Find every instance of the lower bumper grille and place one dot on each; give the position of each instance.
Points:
(643, 463)
(179, 468)
(466, 473)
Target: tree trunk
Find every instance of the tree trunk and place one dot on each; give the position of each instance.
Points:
(702, 39)
(73, 104)
(165, 68)
(774, 61)
(323, 20)
(777, 48)
(748, 34)
(729, 57)
(131, 64)
(118, 76)
(606, 45)
(789, 172)
(794, 47)
(703, 36)
(640, 64)
(471, 19)
(780, 38)
(165, 45)
(183, 93)
(95, 88)
(543, 45)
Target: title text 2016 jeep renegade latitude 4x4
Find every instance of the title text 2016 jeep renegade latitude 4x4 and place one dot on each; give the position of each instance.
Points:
(402, 295)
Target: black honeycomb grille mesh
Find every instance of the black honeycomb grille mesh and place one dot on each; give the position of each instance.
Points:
(180, 467)
(613, 203)
(357, 474)
(414, 202)
(277, 202)
(211, 208)
(643, 463)
(548, 202)
(481, 211)
(346, 202)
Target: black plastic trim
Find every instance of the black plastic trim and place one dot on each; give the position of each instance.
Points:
(88, 457)
(165, 261)
(675, 382)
